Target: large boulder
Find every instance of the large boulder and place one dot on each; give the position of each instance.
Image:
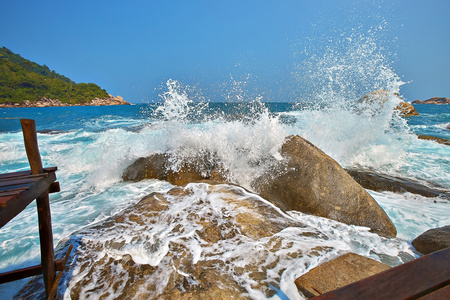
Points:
(433, 240)
(177, 171)
(337, 273)
(309, 181)
(203, 241)
(377, 100)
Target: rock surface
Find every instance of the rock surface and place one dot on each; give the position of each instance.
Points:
(433, 240)
(383, 182)
(309, 181)
(160, 166)
(377, 100)
(435, 139)
(190, 243)
(47, 102)
(406, 109)
(434, 100)
(111, 100)
(337, 273)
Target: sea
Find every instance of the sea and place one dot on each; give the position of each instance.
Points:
(92, 147)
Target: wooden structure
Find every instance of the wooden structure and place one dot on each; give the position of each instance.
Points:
(427, 277)
(19, 189)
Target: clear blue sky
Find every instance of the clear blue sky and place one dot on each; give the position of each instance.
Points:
(131, 47)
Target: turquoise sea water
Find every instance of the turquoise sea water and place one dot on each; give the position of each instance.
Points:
(92, 146)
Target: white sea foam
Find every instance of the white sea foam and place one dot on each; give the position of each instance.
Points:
(282, 257)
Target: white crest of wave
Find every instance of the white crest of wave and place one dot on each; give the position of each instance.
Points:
(335, 77)
(240, 144)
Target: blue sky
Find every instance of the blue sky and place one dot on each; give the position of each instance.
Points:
(131, 48)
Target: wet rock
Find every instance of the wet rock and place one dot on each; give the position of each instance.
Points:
(377, 99)
(406, 109)
(435, 139)
(309, 181)
(434, 100)
(337, 273)
(433, 240)
(177, 171)
(183, 244)
(383, 182)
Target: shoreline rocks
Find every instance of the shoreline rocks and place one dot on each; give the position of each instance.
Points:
(433, 240)
(383, 182)
(151, 249)
(434, 100)
(339, 272)
(377, 99)
(305, 180)
(159, 166)
(47, 102)
(434, 139)
(309, 181)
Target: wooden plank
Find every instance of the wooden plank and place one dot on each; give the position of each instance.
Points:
(15, 192)
(14, 187)
(15, 174)
(27, 272)
(26, 173)
(13, 206)
(408, 281)
(440, 294)
(21, 180)
(5, 199)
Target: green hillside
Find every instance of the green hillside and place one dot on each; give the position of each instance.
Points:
(21, 79)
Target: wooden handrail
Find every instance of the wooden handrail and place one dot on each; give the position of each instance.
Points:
(43, 205)
(31, 145)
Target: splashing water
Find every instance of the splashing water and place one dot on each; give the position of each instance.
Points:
(238, 144)
(92, 152)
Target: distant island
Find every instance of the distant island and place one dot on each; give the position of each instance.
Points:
(24, 83)
(434, 100)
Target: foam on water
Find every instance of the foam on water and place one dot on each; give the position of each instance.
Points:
(278, 258)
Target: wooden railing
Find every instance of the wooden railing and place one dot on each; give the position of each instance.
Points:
(427, 277)
(19, 189)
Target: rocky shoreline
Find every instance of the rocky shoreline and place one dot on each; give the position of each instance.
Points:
(434, 100)
(170, 245)
(47, 102)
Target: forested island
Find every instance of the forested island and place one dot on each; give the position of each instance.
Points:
(24, 83)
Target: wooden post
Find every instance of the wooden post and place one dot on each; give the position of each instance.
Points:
(43, 206)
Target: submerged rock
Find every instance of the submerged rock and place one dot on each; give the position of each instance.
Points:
(383, 182)
(337, 273)
(309, 181)
(433, 240)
